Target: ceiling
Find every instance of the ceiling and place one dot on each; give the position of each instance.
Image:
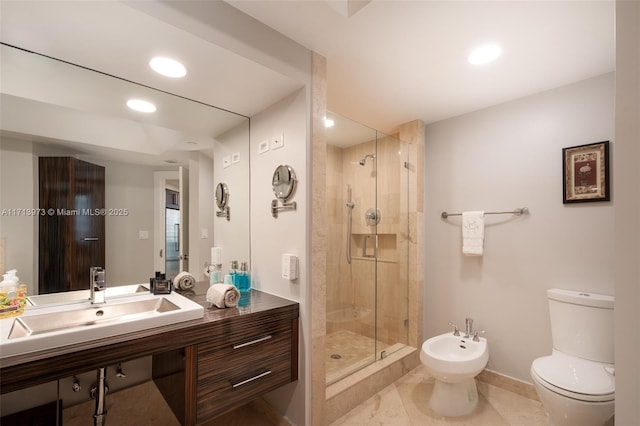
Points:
(388, 63)
(394, 61)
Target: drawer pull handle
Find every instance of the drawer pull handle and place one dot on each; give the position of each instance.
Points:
(252, 342)
(91, 239)
(244, 382)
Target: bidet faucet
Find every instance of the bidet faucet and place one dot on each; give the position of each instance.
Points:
(468, 330)
(98, 284)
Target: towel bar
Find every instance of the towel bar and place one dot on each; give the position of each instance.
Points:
(520, 211)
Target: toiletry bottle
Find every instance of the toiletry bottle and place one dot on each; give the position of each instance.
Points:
(243, 278)
(215, 274)
(230, 278)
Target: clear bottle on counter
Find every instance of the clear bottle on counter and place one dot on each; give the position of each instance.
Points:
(215, 274)
(243, 278)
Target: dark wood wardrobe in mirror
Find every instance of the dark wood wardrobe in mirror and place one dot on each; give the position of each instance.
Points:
(71, 224)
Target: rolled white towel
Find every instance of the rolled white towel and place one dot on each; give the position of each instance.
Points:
(223, 295)
(184, 281)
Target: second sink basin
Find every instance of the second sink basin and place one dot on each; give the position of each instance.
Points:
(52, 327)
(45, 323)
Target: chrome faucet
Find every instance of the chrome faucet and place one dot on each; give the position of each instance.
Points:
(468, 331)
(98, 284)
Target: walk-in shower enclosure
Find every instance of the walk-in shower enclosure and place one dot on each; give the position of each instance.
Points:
(368, 243)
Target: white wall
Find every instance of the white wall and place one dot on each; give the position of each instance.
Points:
(233, 235)
(201, 213)
(128, 259)
(501, 158)
(627, 217)
(18, 167)
(271, 237)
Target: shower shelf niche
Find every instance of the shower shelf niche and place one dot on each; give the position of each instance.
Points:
(363, 247)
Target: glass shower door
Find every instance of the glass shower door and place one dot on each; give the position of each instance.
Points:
(367, 247)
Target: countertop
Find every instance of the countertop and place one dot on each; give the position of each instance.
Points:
(33, 368)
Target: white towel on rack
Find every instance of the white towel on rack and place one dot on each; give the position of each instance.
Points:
(473, 233)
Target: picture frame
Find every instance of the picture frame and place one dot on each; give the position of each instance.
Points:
(585, 173)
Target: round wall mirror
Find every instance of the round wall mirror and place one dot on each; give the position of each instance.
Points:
(222, 195)
(284, 182)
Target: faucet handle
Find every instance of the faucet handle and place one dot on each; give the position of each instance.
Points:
(456, 332)
(475, 335)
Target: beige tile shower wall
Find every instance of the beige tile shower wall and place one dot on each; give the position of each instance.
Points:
(336, 215)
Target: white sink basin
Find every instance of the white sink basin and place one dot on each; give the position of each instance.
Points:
(56, 326)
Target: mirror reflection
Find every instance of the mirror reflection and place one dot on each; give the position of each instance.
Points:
(222, 201)
(222, 195)
(159, 171)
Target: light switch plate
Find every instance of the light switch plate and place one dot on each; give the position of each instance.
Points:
(263, 146)
(204, 233)
(276, 142)
(235, 157)
(143, 235)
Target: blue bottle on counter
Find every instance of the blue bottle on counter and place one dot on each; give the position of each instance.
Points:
(243, 279)
(231, 277)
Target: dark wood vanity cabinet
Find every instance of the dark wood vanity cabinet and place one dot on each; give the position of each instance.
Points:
(203, 368)
(243, 366)
(71, 223)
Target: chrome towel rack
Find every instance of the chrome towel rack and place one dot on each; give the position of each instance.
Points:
(518, 212)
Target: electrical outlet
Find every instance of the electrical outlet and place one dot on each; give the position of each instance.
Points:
(276, 142)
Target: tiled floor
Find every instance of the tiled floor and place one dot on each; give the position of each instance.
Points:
(346, 352)
(406, 403)
(403, 403)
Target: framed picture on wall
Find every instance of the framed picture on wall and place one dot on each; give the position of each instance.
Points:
(585, 173)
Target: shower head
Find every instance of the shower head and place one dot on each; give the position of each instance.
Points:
(364, 160)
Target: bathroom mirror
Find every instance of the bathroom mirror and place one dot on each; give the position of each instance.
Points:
(53, 108)
(222, 195)
(283, 182)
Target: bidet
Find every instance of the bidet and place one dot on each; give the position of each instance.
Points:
(454, 361)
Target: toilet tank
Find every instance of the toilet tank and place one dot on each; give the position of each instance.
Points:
(582, 324)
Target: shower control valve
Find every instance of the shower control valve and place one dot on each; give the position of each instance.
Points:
(456, 331)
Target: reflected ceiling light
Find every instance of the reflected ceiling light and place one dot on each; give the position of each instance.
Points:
(328, 122)
(140, 105)
(168, 67)
(484, 54)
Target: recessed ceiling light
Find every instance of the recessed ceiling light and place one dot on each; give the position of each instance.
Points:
(168, 67)
(140, 105)
(484, 54)
(328, 122)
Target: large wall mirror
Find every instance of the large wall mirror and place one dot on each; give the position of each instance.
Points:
(161, 168)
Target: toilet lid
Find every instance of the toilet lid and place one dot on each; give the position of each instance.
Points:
(576, 375)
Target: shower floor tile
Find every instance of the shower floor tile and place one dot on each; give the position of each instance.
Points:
(346, 352)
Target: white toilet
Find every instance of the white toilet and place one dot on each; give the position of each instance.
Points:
(576, 382)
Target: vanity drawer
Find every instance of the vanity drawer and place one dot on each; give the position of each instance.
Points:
(239, 371)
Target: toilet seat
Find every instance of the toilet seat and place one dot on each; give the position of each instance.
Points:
(575, 378)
